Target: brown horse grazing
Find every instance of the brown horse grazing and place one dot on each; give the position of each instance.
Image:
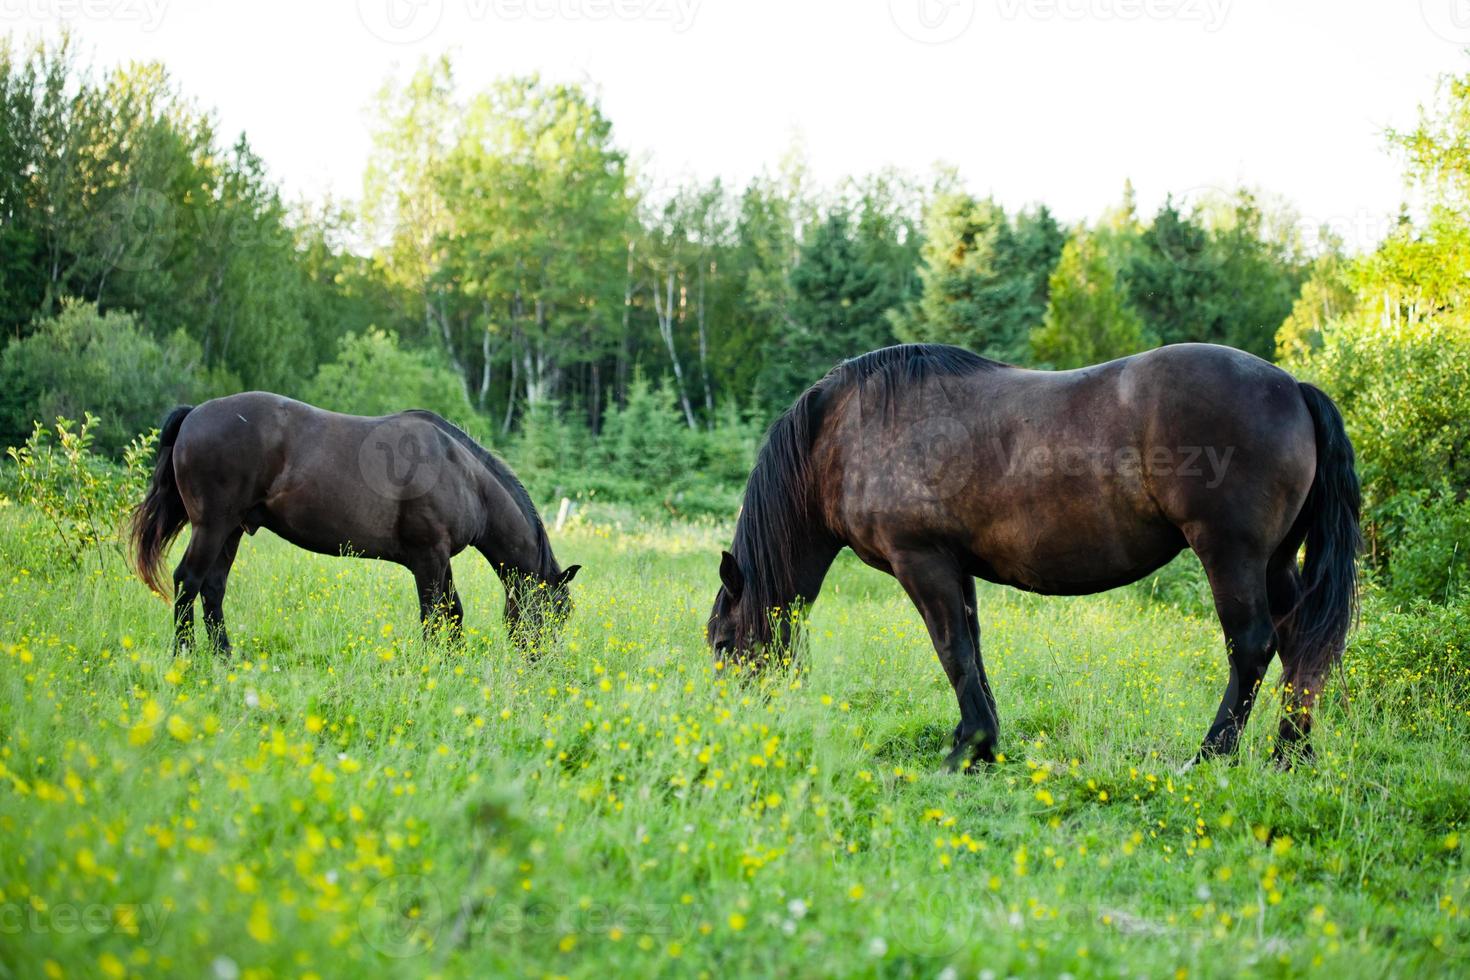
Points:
(938, 466)
(409, 488)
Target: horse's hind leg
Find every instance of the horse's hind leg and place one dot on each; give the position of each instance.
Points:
(1238, 581)
(212, 593)
(206, 541)
(940, 589)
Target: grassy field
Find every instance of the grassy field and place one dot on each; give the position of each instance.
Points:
(342, 799)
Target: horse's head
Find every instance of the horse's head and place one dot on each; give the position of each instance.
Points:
(536, 610)
(740, 630)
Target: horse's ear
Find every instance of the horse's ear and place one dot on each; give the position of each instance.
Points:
(566, 576)
(731, 576)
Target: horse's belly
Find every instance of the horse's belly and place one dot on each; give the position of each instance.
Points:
(1074, 560)
(323, 537)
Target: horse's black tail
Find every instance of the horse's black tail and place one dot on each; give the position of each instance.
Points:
(1329, 600)
(161, 516)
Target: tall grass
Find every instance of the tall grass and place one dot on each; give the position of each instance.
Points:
(343, 799)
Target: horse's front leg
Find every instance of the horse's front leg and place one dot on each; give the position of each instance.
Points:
(430, 573)
(944, 595)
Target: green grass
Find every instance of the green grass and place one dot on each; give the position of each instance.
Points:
(341, 799)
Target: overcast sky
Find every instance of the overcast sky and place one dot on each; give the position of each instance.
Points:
(1033, 100)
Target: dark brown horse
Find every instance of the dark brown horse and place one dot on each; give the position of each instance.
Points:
(409, 488)
(938, 466)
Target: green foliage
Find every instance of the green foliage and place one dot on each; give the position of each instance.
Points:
(1423, 642)
(1397, 361)
(548, 442)
(1432, 557)
(1087, 319)
(984, 276)
(82, 360)
(118, 191)
(1326, 296)
(1225, 273)
(646, 439)
(373, 375)
(83, 499)
(1181, 584)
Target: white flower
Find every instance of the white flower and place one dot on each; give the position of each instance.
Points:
(252, 700)
(948, 973)
(877, 947)
(797, 908)
(225, 968)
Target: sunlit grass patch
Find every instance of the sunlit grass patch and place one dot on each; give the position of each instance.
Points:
(344, 798)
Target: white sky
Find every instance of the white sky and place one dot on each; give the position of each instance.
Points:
(1033, 100)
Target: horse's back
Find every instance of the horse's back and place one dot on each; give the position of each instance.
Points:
(1068, 481)
(325, 480)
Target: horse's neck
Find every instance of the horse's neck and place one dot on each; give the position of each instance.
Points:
(810, 565)
(513, 544)
(811, 556)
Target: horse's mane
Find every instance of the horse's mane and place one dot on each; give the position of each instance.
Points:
(507, 478)
(779, 504)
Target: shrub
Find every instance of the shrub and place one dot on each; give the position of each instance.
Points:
(1424, 645)
(646, 439)
(1401, 387)
(374, 375)
(84, 498)
(1429, 559)
(83, 360)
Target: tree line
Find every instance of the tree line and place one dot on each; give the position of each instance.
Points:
(505, 238)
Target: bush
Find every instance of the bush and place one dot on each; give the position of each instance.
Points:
(646, 439)
(83, 360)
(548, 442)
(1401, 387)
(373, 375)
(1429, 559)
(1424, 645)
(84, 498)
